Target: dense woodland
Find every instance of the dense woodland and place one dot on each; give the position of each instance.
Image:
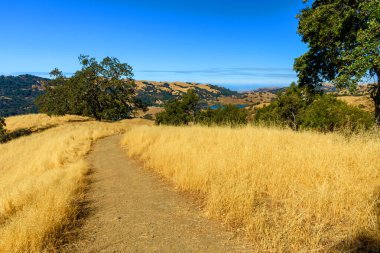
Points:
(17, 94)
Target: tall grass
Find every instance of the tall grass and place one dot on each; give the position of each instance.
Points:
(36, 121)
(287, 191)
(41, 181)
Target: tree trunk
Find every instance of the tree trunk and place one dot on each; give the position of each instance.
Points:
(376, 98)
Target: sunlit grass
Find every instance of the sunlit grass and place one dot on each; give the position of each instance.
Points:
(287, 191)
(42, 178)
(36, 121)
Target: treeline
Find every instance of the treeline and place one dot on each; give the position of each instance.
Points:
(188, 110)
(302, 108)
(296, 108)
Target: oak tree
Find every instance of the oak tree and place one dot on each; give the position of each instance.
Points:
(343, 38)
(103, 90)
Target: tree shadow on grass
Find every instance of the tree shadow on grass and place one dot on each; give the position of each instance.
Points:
(365, 241)
(71, 232)
(22, 132)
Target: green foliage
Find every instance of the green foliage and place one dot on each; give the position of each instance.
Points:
(299, 109)
(344, 44)
(103, 90)
(187, 109)
(6, 136)
(179, 111)
(327, 114)
(287, 109)
(148, 117)
(14, 134)
(17, 94)
(229, 115)
(224, 91)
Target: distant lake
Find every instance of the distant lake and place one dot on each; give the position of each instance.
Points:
(214, 107)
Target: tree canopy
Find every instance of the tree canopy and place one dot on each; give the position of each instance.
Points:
(227, 115)
(180, 111)
(103, 90)
(343, 37)
(287, 108)
(188, 109)
(297, 108)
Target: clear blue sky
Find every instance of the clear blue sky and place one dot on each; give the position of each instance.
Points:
(232, 42)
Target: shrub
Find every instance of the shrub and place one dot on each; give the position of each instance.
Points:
(299, 108)
(188, 109)
(15, 134)
(327, 113)
(224, 115)
(287, 109)
(2, 127)
(148, 117)
(179, 111)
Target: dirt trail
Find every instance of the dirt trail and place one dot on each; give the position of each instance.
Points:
(134, 211)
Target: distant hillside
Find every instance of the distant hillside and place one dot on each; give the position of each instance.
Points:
(157, 93)
(273, 90)
(17, 94)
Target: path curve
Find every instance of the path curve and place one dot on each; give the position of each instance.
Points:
(134, 211)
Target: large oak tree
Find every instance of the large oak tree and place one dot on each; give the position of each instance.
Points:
(343, 37)
(103, 90)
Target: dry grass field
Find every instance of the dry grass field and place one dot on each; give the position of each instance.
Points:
(41, 181)
(363, 102)
(287, 191)
(35, 121)
(42, 178)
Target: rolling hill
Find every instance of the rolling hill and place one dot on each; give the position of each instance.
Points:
(17, 94)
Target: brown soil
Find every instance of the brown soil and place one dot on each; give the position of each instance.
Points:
(134, 211)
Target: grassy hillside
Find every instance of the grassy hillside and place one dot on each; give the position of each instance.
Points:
(37, 121)
(288, 191)
(42, 179)
(157, 93)
(363, 102)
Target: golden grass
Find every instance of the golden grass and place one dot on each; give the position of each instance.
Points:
(42, 179)
(289, 192)
(151, 111)
(364, 102)
(35, 121)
